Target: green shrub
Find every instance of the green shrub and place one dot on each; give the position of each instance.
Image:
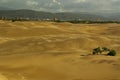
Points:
(13, 20)
(112, 53)
(97, 50)
(105, 49)
(100, 50)
(94, 53)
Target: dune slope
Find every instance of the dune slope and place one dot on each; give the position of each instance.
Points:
(57, 51)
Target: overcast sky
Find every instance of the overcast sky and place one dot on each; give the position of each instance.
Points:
(64, 5)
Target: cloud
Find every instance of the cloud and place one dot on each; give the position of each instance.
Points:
(61, 9)
(4, 1)
(78, 1)
(64, 5)
(32, 3)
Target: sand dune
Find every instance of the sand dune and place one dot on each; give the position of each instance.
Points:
(57, 51)
(3, 77)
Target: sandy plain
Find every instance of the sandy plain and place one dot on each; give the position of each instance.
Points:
(36, 50)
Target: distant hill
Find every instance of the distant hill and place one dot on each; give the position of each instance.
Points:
(81, 15)
(114, 16)
(24, 13)
(111, 15)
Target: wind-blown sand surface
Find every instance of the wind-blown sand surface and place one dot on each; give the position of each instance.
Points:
(58, 51)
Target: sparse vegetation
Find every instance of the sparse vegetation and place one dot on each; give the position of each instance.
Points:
(13, 20)
(112, 53)
(100, 50)
(105, 49)
(97, 51)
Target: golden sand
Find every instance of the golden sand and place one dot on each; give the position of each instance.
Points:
(58, 51)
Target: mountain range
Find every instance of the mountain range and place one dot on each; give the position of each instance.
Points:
(32, 14)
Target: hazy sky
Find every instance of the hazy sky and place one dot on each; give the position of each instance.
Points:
(64, 5)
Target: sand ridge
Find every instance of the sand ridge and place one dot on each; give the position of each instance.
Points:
(36, 50)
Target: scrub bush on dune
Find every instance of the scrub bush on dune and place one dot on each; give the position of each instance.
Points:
(100, 50)
(112, 53)
(97, 51)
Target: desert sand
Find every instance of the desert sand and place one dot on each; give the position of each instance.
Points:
(36, 50)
